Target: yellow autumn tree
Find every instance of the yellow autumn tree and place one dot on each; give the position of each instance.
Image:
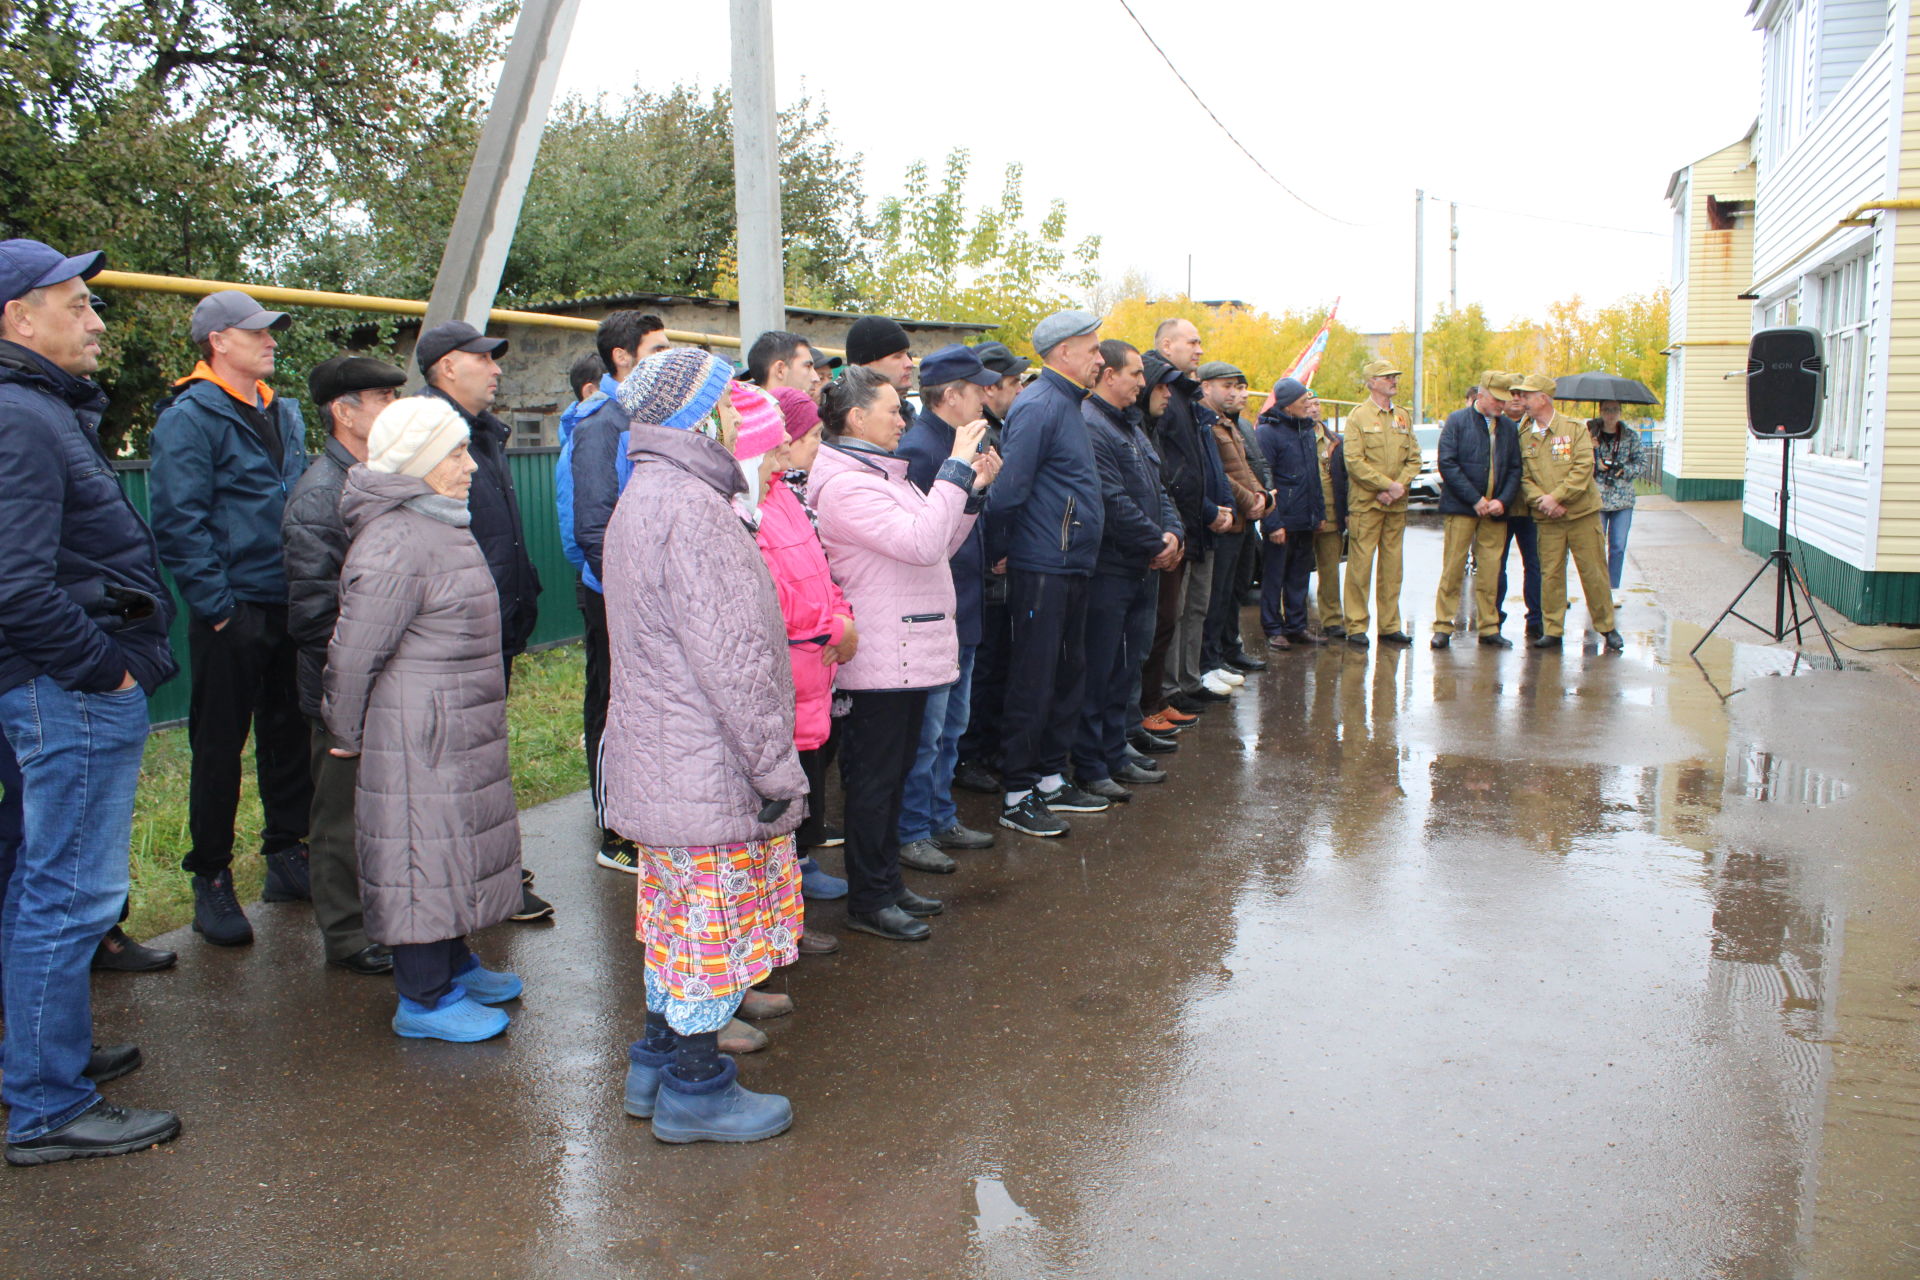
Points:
(1261, 344)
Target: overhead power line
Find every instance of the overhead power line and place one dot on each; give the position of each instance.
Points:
(1298, 198)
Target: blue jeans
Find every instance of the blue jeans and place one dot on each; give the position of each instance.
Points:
(1616, 524)
(927, 804)
(79, 756)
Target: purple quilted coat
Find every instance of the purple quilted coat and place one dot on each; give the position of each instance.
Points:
(700, 716)
(415, 683)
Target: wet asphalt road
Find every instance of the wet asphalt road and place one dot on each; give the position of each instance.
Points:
(1425, 965)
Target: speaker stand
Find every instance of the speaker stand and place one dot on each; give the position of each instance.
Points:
(1789, 588)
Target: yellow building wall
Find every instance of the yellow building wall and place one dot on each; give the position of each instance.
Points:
(1713, 408)
(1899, 535)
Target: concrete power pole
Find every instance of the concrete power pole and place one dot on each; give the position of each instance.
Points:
(1419, 302)
(476, 251)
(1453, 258)
(756, 173)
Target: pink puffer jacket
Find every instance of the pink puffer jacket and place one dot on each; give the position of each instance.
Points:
(811, 604)
(888, 545)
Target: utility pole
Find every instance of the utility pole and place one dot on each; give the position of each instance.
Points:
(756, 173)
(482, 232)
(1419, 300)
(1453, 258)
(1189, 277)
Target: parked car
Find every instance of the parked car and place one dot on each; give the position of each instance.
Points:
(1425, 488)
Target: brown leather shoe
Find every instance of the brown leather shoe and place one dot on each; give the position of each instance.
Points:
(759, 1006)
(738, 1037)
(1279, 642)
(815, 943)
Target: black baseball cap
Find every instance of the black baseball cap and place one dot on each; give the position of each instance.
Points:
(26, 265)
(455, 335)
(999, 357)
(336, 377)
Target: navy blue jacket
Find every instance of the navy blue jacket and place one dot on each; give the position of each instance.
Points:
(1463, 462)
(1045, 504)
(926, 446)
(497, 528)
(1184, 468)
(216, 497)
(1137, 510)
(597, 470)
(1292, 456)
(70, 532)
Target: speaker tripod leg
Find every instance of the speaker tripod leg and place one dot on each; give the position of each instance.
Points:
(1799, 582)
(1729, 610)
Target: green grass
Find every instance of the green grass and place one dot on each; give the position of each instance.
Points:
(543, 732)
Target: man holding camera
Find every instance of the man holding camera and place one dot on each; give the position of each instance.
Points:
(83, 640)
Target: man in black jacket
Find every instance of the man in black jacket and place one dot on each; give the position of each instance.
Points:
(1287, 447)
(1479, 459)
(1521, 531)
(83, 641)
(980, 744)
(461, 366)
(348, 393)
(1140, 532)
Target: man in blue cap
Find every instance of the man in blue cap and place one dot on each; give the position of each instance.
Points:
(1046, 518)
(953, 385)
(83, 641)
(226, 453)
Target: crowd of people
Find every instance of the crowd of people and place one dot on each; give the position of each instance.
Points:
(963, 570)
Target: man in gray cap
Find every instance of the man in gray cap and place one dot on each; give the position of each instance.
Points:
(1046, 519)
(348, 393)
(226, 452)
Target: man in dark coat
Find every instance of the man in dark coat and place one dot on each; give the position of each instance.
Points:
(1289, 451)
(1479, 460)
(226, 452)
(1521, 530)
(1045, 518)
(348, 393)
(83, 641)
(1140, 533)
(461, 366)
(980, 744)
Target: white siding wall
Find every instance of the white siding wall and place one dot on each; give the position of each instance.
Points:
(1834, 167)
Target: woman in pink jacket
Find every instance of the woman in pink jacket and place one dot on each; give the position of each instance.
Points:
(888, 544)
(820, 630)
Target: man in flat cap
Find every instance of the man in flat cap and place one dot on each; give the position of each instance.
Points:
(1479, 460)
(979, 751)
(462, 367)
(348, 393)
(1557, 459)
(226, 452)
(83, 641)
(1382, 459)
(1046, 518)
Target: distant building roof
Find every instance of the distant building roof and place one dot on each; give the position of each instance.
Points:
(619, 300)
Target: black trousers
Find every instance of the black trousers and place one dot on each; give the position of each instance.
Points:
(877, 751)
(243, 679)
(1117, 606)
(1286, 569)
(423, 971)
(593, 705)
(1223, 606)
(1046, 675)
(1166, 619)
(333, 861)
(1251, 574)
(815, 762)
(1521, 529)
(981, 742)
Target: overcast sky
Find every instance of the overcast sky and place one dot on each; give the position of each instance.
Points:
(1577, 111)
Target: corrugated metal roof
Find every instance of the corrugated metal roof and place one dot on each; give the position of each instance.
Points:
(727, 304)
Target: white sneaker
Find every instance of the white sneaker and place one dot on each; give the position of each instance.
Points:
(1218, 687)
(1227, 675)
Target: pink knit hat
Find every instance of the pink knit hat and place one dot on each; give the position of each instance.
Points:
(798, 408)
(762, 429)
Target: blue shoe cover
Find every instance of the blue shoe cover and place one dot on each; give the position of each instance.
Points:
(454, 1017)
(485, 986)
(821, 886)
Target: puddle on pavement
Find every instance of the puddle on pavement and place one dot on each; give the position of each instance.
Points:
(994, 1209)
(1763, 775)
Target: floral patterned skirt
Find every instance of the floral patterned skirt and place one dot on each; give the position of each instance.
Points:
(716, 919)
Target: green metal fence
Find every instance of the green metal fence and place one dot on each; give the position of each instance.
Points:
(533, 480)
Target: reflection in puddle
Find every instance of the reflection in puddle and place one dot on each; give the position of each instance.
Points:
(995, 1210)
(1762, 775)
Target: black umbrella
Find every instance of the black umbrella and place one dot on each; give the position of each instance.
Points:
(1602, 386)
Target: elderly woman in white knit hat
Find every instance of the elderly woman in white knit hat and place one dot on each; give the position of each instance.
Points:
(416, 687)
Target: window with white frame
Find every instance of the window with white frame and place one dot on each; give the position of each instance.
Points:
(1843, 310)
(1789, 57)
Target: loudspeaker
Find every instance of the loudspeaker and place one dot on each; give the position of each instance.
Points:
(1786, 383)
